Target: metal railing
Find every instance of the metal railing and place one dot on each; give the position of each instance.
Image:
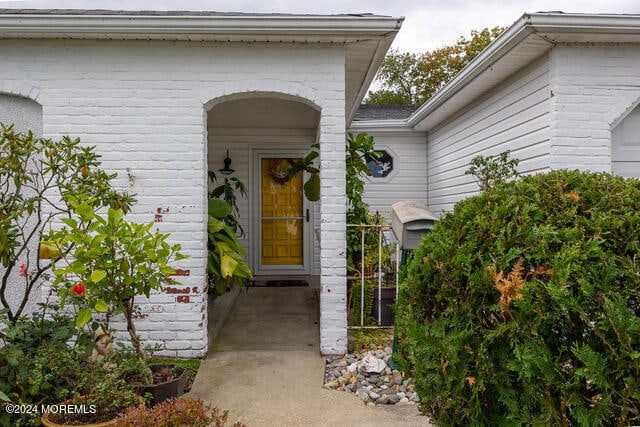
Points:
(386, 239)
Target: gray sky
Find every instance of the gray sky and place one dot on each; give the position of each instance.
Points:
(428, 24)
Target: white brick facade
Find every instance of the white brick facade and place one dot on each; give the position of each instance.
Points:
(594, 87)
(143, 105)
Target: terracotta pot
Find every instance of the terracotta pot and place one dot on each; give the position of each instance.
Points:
(47, 423)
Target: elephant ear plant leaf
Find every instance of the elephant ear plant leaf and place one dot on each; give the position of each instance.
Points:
(311, 187)
(225, 264)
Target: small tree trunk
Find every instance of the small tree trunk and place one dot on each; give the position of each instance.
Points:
(135, 340)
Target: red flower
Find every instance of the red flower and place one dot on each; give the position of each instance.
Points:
(79, 289)
(23, 270)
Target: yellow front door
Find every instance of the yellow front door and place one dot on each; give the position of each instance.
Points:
(282, 214)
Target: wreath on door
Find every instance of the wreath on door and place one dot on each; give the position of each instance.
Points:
(279, 170)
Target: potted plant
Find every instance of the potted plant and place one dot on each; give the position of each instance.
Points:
(38, 366)
(225, 263)
(106, 262)
(165, 381)
(99, 397)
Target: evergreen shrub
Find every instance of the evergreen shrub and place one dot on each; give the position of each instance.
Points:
(522, 307)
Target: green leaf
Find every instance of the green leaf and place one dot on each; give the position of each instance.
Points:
(4, 397)
(166, 270)
(219, 208)
(83, 317)
(101, 306)
(97, 275)
(214, 225)
(311, 157)
(312, 187)
(115, 216)
(228, 265)
(226, 236)
(78, 268)
(85, 212)
(70, 222)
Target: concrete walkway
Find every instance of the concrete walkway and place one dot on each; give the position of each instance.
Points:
(265, 368)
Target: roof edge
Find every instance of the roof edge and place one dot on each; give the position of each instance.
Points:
(381, 51)
(386, 124)
(541, 24)
(224, 27)
(580, 22)
(519, 31)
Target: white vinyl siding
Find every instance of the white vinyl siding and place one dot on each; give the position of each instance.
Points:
(625, 146)
(513, 116)
(408, 181)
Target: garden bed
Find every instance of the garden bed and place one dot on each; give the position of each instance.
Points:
(368, 372)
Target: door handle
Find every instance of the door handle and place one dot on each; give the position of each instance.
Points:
(307, 215)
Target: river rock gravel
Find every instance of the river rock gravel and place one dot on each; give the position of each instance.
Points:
(368, 376)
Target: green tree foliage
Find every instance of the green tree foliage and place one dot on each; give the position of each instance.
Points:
(412, 78)
(38, 180)
(401, 76)
(489, 171)
(522, 307)
(106, 262)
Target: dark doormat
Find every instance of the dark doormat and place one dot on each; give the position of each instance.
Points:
(278, 283)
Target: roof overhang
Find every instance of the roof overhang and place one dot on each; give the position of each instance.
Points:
(366, 37)
(528, 38)
(384, 125)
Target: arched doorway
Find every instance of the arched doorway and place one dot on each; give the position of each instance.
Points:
(262, 134)
(24, 113)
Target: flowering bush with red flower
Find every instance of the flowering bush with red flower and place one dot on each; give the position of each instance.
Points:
(23, 270)
(107, 262)
(38, 178)
(79, 289)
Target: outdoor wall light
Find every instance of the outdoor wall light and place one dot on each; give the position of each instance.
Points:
(227, 165)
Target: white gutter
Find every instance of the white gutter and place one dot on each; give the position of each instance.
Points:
(577, 22)
(392, 124)
(344, 28)
(544, 25)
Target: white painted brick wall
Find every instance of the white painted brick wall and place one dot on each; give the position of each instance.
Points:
(593, 86)
(143, 105)
(333, 281)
